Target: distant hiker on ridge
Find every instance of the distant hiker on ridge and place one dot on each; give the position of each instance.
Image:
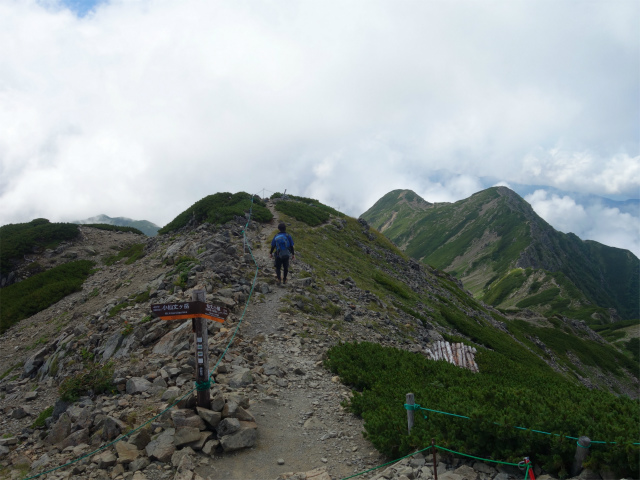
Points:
(282, 243)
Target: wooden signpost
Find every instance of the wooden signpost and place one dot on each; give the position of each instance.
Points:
(199, 311)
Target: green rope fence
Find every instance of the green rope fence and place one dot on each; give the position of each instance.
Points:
(199, 386)
(519, 465)
(418, 407)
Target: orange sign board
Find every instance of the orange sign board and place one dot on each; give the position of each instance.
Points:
(185, 310)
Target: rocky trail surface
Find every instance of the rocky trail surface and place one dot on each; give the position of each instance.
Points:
(301, 425)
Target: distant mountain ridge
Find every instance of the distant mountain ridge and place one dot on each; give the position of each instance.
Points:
(505, 254)
(148, 228)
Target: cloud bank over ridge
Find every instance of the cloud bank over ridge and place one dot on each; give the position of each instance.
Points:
(140, 108)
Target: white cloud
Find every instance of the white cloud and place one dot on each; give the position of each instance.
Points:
(583, 171)
(589, 222)
(143, 107)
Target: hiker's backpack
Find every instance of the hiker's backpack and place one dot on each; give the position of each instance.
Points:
(282, 245)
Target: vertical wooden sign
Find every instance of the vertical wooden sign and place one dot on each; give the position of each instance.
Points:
(202, 353)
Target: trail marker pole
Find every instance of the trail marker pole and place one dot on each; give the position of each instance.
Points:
(199, 312)
(202, 353)
(582, 450)
(410, 401)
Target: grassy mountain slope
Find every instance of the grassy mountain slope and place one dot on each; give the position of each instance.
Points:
(20, 239)
(219, 208)
(148, 228)
(414, 295)
(531, 372)
(505, 253)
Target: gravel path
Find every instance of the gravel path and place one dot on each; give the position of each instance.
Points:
(302, 425)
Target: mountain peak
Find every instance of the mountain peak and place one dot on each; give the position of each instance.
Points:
(482, 239)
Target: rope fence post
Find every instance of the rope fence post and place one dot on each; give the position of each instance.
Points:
(410, 401)
(435, 462)
(582, 450)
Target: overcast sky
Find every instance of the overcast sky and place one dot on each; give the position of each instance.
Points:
(139, 108)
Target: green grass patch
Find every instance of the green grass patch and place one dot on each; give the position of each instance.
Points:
(542, 298)
(633, 347)
(502, 289)
(40, 421)
(391, 285)
(132, 253)
(505, 392)
(94, 379)
(307, 213)
(591, 353)
(10, 369)
(24, 299)
(20, 239)
(113, 228)
(219, 209)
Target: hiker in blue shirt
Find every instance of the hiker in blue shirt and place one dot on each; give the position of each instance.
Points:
(282, 243)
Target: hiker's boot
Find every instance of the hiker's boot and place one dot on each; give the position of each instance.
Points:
(278, 280)
(284, 280)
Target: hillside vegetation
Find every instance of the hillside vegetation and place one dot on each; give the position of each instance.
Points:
(38, 292)
(143, 226)
(21, 239)
(113, 228)
(516, 387)
(350, 282)
(506, 394)
(218, 209)
(307, 210)
(505, 254)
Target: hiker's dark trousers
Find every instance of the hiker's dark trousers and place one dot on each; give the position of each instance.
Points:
(284, 264)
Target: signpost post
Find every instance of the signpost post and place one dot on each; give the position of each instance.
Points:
(202, 354)
(199, 311)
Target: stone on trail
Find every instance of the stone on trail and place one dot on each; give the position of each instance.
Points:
(186, 435)
(210, 417)
(138, 385)
(162, 447)
(105, 460)
(449, 475)
(466, 472)
(170, 393)
(315, 474)
(139, 463)
(228, 426)
(186, 418)
(127, 452)
(178, 455)
(141, 438)
(112, 427)
(76, 438)
(60, 430)
(243, 438)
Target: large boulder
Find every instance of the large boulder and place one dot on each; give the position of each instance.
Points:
(76, 438)
(138, 385)
(60, 430)
(127, 452)
(162, 447)
(173, 342)
(35, 361)
(112, 344)
(210, 417)
(112, 427)
(245, 437)
(186, 435)
(186, 418)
